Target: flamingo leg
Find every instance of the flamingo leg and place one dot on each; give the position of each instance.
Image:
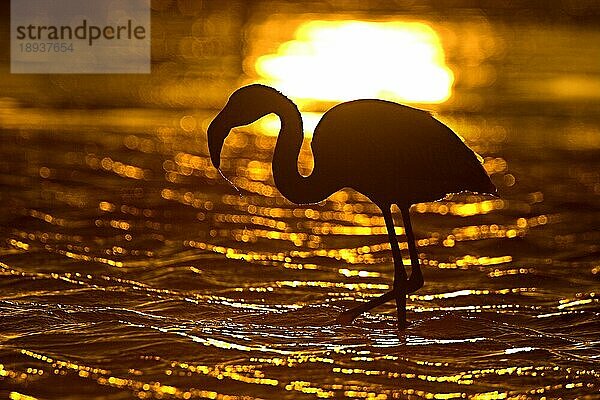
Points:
(349, 315)
(416, 276)
(412, 285)
(400, 277)
(401, 283)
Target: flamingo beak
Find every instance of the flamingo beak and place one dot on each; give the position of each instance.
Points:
(217, 132)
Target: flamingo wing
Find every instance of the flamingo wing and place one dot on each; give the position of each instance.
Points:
(387, 150)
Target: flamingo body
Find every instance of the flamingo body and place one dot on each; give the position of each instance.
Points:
(394, 154)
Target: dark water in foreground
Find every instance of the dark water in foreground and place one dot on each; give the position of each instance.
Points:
(129, 268)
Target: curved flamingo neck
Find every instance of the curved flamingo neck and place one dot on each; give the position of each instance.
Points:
(295, 187)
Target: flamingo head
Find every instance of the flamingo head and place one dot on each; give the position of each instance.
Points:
(244, 106)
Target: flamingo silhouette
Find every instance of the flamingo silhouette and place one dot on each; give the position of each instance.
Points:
(391, 153)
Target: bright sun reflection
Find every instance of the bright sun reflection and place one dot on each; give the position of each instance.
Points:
(346, 60)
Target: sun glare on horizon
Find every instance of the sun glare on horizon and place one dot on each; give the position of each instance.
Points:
(346, 60)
